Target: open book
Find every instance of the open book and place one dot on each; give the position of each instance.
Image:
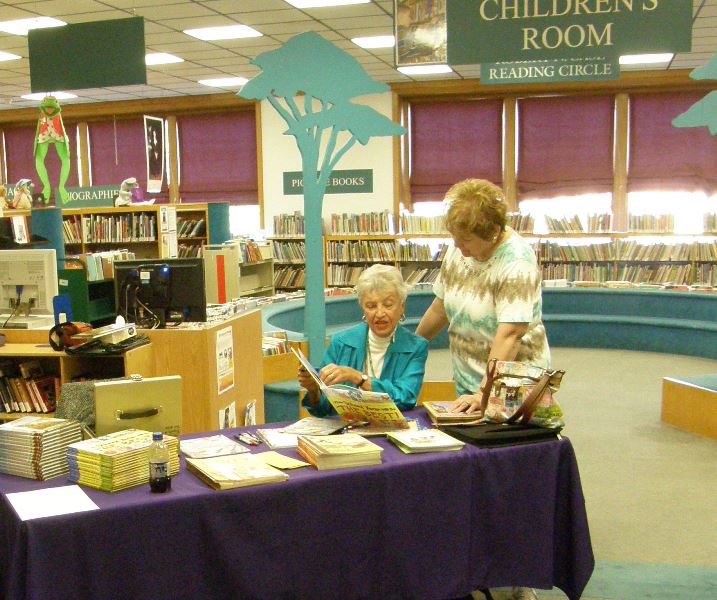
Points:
(370, 413)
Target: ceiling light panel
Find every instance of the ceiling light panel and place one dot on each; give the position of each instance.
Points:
(22, 26)
(227, 32)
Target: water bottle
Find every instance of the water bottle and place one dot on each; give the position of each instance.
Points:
(159, 480)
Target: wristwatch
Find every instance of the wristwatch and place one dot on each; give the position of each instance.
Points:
(364, 379)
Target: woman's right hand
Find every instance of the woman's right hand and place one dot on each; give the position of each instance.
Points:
(468, 403)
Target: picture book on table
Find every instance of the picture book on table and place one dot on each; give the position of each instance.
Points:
(354, 405)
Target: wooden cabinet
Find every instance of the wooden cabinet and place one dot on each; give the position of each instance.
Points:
(32, 345)
(214, 378)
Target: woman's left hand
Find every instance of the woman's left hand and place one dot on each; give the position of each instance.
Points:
(468, 403)
(332, 374)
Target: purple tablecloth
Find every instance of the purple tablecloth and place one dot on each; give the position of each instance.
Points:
(420, 526)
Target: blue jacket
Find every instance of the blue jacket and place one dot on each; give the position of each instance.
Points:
(402, 372)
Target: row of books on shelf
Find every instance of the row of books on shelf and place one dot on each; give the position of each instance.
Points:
(625, 284)
(667, 275)
(362, 223)
(289, 251)
(415, 224)
(25, 388)
(411, 251)
(360, 250)
(597, 223)
(125, 227)
(189, 250)
(191, 228)
(416, 276)
(627, 250)
(289, 225)
(100, 265)
(274, 342)
(289, 277)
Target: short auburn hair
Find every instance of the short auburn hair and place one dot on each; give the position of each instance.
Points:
(476, 206)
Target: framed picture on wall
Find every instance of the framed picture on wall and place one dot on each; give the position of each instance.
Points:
(421, 32)
(154, 143)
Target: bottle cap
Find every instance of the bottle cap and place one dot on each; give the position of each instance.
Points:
(157, 436)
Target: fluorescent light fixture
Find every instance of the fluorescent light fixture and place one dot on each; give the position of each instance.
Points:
(22, 26)
(645, 59)
(224, 82)
(323, 3)
(41, 95)
(7, 56)
(375, 41)
(425, 69)
(228, 32)
(161, 58)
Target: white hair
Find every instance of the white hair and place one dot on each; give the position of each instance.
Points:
(379, 278)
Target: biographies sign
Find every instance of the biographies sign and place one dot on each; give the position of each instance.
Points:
(525, 30)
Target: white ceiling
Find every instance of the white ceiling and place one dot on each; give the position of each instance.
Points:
(276, 19)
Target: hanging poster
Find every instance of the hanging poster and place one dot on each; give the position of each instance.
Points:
(154, 142)
(225, 360)
(420, 30)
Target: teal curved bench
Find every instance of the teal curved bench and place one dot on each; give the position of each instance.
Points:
(646, 320)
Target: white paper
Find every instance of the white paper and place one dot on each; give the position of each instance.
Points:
(51, 502)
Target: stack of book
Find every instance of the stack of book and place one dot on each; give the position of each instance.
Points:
(35, 447)
(424, 440)
(116, 461)
(339, 451)
(234, 470)
(440, 414)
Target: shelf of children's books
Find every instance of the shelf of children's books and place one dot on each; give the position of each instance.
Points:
(570, 234)
(289, 262)
(359, 236)
(367, 261)
(568, 261)
(193, 239)
(413, 236)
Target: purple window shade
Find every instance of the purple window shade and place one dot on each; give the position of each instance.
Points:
(453, 141)
(663, 157)
(19, 148)
(565, 146)
(131, 157)
(217, 156)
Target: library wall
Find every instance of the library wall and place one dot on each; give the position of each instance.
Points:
(280, 154)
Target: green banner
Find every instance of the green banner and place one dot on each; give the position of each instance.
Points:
(509, 30)
(541, 71)
(91, 196)
(355, 181)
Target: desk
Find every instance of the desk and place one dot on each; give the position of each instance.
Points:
(422, 526)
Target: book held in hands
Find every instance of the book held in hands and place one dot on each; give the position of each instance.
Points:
(376, 409)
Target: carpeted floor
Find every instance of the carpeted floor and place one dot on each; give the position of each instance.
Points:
(650, 489)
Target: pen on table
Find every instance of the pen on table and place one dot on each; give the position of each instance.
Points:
(246, 439)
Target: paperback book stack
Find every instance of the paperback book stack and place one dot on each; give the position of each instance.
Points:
(117, 461)
(35, 447)
(234, 470)
(339, 451)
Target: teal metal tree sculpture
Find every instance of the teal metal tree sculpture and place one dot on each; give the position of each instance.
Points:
(704, 112)
(325, 125)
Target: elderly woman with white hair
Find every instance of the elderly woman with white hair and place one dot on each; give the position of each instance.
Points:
(378, 354)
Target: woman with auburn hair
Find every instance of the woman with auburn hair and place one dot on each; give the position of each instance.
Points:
(488, 293)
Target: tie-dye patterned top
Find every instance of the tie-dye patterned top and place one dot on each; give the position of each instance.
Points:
(478, 295)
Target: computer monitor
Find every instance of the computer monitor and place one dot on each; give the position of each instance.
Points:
(28, 283)
(155, 291)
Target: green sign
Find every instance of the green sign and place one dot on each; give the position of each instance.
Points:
(540, 71)
(86, 197)
(356, 181)
(508, 30)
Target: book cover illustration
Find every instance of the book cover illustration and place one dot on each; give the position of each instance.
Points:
(212, 445)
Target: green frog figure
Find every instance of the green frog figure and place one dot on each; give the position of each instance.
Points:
(51, 130)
